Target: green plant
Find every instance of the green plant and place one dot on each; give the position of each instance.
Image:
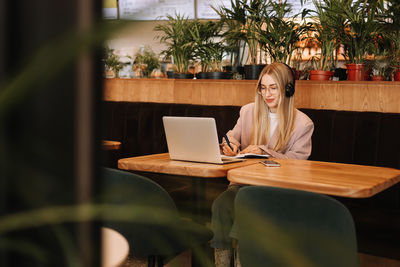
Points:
(242, 22)
(234, 20)
(148, 58)
(360, 28)
(177, 36)
(325, 25)
(112, 61)
(279, 34)
(209, 51)
(389, 16)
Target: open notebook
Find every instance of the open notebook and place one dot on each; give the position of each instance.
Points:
(194, 139)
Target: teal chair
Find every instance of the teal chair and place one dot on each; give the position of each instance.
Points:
(285, 227)
(147, 217)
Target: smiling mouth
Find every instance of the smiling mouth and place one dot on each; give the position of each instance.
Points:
(270, 100)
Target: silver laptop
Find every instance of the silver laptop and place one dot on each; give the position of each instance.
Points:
(193, 139)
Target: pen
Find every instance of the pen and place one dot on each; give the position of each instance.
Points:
(227, 141)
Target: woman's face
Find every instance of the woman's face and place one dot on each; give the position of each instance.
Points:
(270, 92)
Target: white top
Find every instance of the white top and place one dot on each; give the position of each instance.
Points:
(273, 123)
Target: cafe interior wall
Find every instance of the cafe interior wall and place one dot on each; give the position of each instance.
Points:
(131, 38)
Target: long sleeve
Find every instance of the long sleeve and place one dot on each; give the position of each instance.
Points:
(299, 145)
(240, 134)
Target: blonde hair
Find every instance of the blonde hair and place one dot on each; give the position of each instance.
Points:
(285, 111)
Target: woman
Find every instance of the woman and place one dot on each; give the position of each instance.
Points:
(271, 125)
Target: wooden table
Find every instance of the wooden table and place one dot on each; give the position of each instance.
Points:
(161, 166)
(344, 180)
(114, 248)
(110, 145)
(161, 163)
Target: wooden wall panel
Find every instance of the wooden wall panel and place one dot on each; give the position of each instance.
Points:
(342, 95)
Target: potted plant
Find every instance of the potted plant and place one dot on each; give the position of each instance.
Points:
(381, 66)
(243, 20)
(147, 60)
(112, 63)
(233, 20)
(379, 70)
(208, 50)
(324, 33)
(280, 33)
(357, 35)
(176, 35)
(390, 18)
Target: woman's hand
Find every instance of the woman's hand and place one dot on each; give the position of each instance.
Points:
(228, 151)
(252, 149)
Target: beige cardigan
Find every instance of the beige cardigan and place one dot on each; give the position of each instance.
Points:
(298, 146)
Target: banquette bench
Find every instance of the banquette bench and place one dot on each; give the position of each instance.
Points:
(366, 138)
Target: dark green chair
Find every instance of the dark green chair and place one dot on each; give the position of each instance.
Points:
(147, 217)
(285, 227)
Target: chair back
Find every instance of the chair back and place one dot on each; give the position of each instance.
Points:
(285, 227)
(150, 221)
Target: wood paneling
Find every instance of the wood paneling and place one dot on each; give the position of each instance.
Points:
(341, 95)
(348, 95)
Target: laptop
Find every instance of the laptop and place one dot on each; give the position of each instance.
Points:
(194, 139)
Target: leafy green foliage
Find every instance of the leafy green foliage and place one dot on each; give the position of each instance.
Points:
(326, 27)
(241, 23)
(361, 28)
(278, 34)
(389, 16)
(112, 61)
(207, 49)
(148, 58)
(177, 36)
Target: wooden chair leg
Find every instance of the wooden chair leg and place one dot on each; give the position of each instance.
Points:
(160, 261)
(151, 261)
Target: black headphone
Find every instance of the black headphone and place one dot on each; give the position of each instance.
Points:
(289, 88)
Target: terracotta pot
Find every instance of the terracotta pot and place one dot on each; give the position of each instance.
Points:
(320, 75)
(378, 78)
(298, 73)
(355, 72)
(397, 75)
(109, 74)
(367, 74)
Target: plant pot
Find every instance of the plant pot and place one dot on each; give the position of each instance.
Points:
(397, 75)
(378, 78)
(219, 75)
(109, 74)
(341, 74)
(170, 74)
(355, 72)
(320, 75)
(183, 75)
(235, 69)
(367, 74)
(201, 75)
(297, 73)
(252, 72)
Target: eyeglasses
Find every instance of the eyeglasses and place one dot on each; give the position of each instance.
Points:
(263, 90)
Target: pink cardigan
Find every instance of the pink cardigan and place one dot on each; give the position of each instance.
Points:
(298, 146)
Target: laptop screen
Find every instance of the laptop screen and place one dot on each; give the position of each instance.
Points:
(192, 139)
